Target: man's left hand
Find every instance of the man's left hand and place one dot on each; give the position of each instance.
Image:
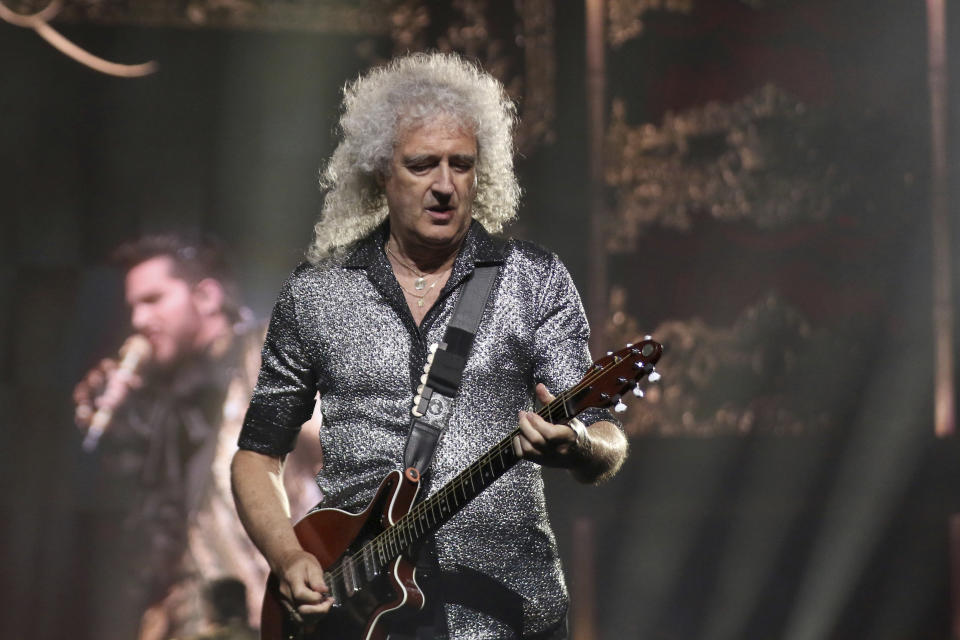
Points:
(552, 445)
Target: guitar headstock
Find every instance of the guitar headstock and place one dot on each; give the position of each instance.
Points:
(614, 375)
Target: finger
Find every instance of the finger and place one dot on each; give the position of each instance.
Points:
(526, 450)
(543, 394)
(82, 415)
(305, 594)
(313, 609)
(95, 379)
(314, 579)
(549, 432)
(529, 431)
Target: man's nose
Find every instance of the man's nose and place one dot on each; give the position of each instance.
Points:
(140, 317)
(443, 185)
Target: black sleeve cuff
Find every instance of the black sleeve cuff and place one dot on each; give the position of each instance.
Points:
(264, 434)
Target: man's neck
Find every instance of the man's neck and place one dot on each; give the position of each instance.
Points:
(424, 258)
(214, 336)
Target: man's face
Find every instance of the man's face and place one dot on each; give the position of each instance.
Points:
(431, 184)
(162, 308)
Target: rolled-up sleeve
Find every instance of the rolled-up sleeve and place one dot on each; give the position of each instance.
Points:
(562, 354)
(283, 398)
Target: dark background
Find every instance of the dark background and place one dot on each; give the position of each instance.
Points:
(810, 524)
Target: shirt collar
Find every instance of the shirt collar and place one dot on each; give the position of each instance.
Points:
(479, 247)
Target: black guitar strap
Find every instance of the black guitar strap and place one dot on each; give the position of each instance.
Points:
(433, 404)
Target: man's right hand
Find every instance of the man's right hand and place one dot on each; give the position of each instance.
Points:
(301, 582)
(103, 387)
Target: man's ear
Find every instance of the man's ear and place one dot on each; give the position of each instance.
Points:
(208, 297)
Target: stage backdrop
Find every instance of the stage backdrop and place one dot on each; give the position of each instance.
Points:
(766, 215)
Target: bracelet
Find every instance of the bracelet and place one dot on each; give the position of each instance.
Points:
(581, 430)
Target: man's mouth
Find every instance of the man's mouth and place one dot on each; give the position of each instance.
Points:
(441, 213)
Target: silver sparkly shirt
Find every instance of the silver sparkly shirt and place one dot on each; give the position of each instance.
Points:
(342, 328)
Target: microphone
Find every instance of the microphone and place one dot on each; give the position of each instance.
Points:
(135, 351)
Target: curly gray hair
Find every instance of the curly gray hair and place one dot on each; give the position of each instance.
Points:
(405, 93)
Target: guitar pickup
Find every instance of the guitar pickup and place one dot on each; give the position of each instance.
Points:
(334, 584)
(351, 579)
(369, 562)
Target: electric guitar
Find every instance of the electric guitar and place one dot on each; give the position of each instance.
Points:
(366, 557)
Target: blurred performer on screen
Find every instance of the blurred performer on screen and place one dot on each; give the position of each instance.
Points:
(170, 422)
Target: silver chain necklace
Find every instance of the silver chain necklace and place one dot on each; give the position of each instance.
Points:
(421, 282)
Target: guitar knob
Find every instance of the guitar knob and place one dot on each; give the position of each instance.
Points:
(620, 407)
(653, 377)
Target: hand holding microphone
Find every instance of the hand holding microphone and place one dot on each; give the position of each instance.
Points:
(113, 382)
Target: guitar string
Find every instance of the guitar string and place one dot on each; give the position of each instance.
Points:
(381, 542)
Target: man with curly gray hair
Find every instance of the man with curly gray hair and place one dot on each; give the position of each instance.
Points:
(422, 178)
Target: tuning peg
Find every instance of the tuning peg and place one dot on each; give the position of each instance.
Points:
(637, 391)
(430, 357)
(420, 390)
(433, 347)
(423, 378)
(426, 368)
(609, 353)
(620, 407)
(653, 377)
(648, 337)
(629, 344)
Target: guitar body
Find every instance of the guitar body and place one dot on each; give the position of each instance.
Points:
(333, 534)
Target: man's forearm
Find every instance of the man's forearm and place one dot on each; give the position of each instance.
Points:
(262, 505)
(601, 455)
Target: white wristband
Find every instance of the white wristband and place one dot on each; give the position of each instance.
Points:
(581, 430)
